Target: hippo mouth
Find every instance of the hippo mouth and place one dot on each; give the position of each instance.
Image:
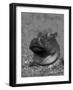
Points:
(37, 48)
(40, 51)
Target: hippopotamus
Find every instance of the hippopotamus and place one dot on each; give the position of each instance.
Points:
(45, 48)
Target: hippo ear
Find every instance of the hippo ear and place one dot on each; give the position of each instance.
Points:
(39, 34)
(55, 34)
(52, 35)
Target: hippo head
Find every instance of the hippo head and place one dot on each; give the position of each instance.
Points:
(41, 44)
